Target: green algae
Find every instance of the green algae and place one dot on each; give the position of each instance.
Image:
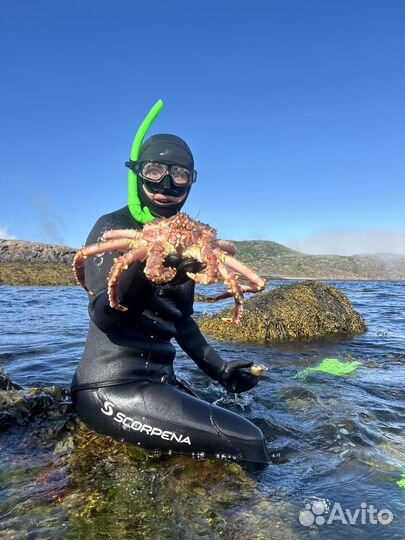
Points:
(61, 480)
(126, 492)
(36, 274)
(89, 486)
(147, 495)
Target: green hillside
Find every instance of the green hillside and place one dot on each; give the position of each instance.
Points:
(254, 249)
(272, 259)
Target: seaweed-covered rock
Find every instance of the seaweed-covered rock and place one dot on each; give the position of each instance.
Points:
(61, 480)
(6, 383)
(36, 274)
(35, 264)
(21, 407)
(308, 310)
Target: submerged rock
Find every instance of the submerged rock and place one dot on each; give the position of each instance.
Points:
(308, 310)
(62, 480)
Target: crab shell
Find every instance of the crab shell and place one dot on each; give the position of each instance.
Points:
(178, 235)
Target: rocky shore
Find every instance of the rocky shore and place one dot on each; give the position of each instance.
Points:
(35, 263)
(21, 251)
(62, 480)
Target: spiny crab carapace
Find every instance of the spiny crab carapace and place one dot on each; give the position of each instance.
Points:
(179, 235)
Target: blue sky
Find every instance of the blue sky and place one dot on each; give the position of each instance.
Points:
(294, 111)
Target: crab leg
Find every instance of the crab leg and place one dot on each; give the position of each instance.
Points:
(122, 233)
(120, 265)
(209, 274)
(207, 258)
(227, 246)
(232, 281)
(92, 250)
(258, 283)
(154, 269)
(229, 293)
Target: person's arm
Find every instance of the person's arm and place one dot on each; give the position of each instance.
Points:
(229, 374)
(134, 290)
(135, 293)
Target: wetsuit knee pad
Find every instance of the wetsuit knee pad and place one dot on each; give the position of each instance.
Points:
(241, 434)
(212, 429)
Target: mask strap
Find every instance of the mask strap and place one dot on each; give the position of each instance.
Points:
(142, 215)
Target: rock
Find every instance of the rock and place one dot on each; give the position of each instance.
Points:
(23, 407)
(6, 420)
(308, 310)
(23, 251)
(6, 384)
(62, 480)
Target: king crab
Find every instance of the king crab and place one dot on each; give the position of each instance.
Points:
(179, 235)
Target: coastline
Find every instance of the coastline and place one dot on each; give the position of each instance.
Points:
(61, 275)
(298, 278)
(24, 263)
(36, 274)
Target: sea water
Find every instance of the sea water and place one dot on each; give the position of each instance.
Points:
(339, 443)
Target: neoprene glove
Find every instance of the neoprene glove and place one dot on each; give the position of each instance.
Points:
(234, 379)
(182, 266)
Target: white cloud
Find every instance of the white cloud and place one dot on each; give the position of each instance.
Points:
(351, 242)
(4, 234)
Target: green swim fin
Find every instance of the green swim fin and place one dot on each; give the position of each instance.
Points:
(401, 483)
(332, 366)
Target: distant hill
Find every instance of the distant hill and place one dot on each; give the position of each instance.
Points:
(34, 263)
(272, 259)
(256, 249)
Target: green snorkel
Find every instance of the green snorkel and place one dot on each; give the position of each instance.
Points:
(142, 215)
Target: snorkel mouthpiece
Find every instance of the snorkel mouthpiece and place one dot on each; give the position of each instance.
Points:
(142, 215)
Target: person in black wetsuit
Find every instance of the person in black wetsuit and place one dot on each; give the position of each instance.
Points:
(124, 385)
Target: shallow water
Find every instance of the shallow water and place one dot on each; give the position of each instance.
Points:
(341, 440)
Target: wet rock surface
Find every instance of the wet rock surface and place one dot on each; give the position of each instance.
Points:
(35, 405)
(61, 480)
(308, 310)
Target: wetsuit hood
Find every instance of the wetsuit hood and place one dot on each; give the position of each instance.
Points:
(169, 149)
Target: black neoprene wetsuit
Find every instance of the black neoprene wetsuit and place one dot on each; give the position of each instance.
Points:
(125, 386)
